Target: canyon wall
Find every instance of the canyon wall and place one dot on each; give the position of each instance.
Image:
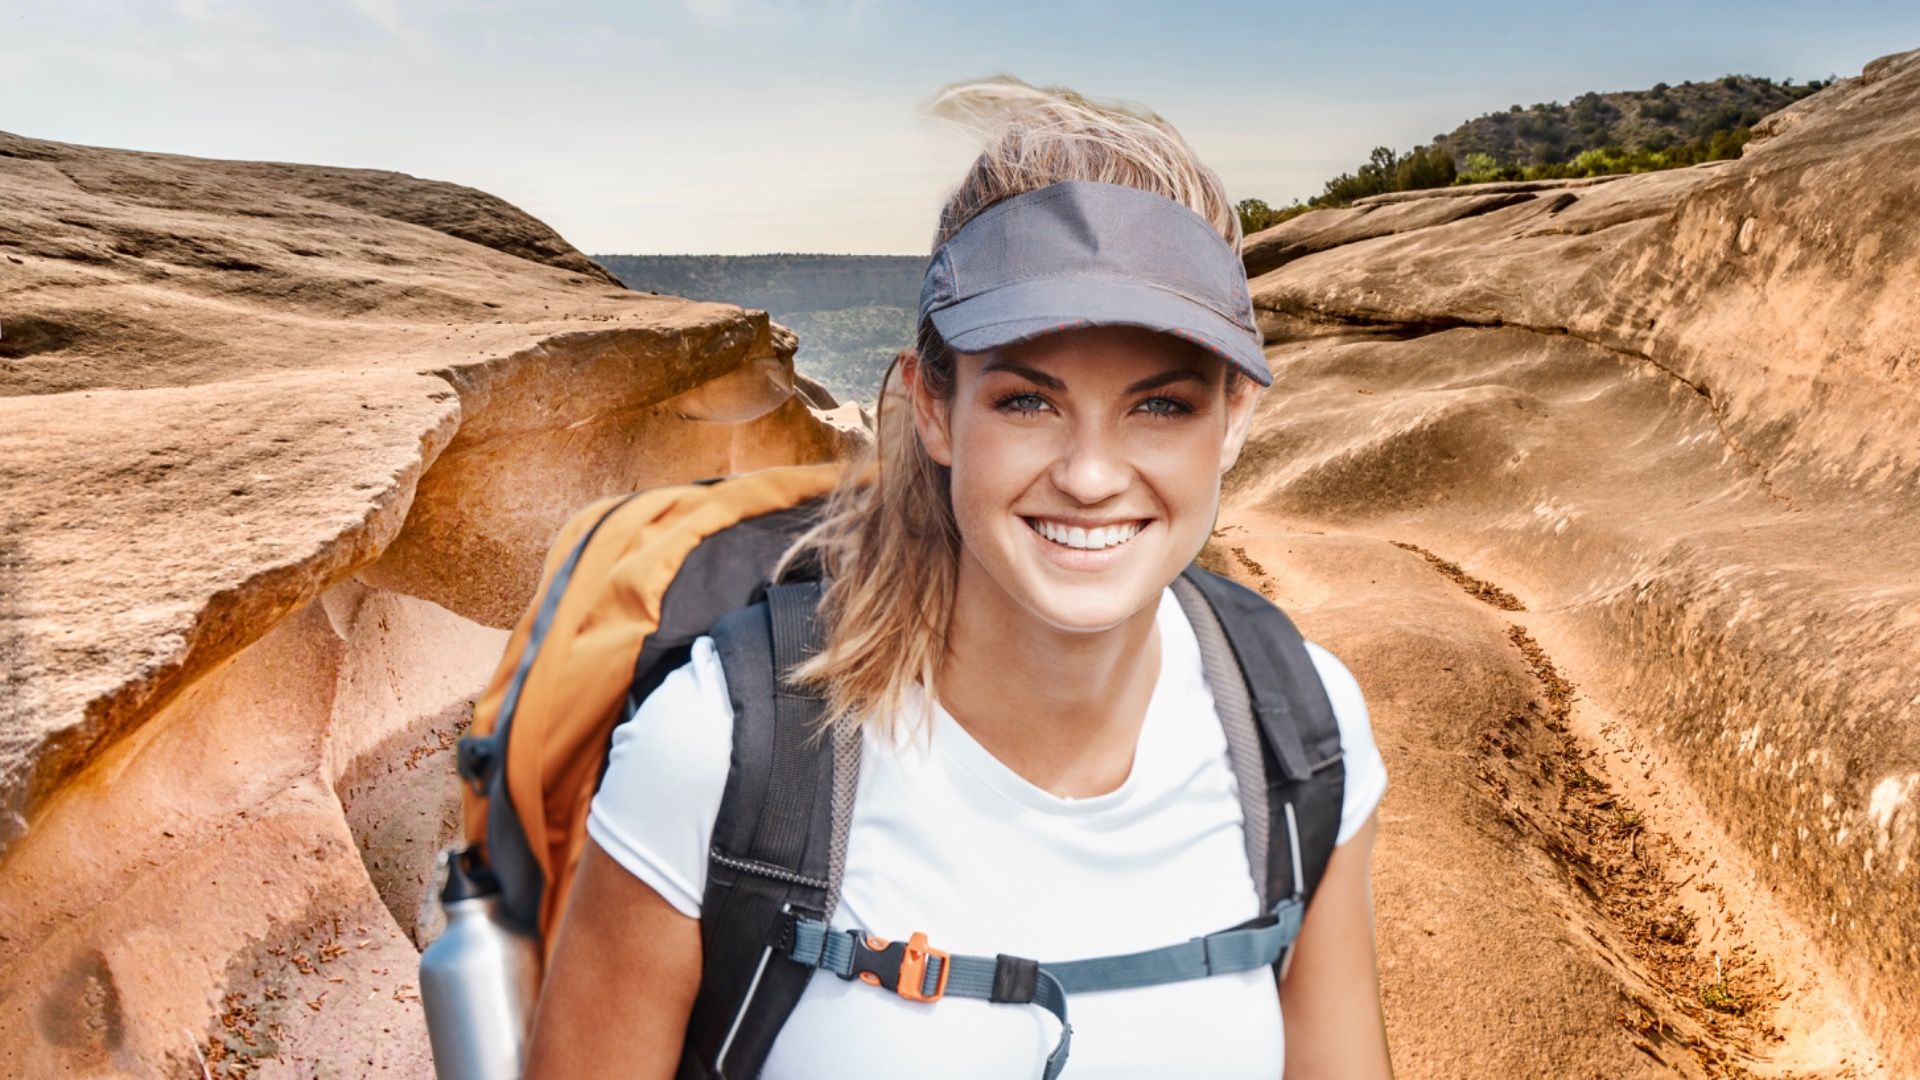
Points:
(281, 449)
(1603, 489)
(1607, 490)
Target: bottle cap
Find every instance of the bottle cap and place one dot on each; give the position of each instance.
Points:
(469, 877)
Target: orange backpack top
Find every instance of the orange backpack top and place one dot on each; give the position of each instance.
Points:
(599, 604)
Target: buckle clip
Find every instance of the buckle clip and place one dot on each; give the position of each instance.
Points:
(900, 966)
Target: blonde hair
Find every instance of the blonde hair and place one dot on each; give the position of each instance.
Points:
(887, 543)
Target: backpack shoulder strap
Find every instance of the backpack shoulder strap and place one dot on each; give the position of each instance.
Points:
(1305, 777)
(773, 846)
(1234, 705)
(780, 840)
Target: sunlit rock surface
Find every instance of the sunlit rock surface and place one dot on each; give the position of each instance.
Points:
(281, 448)
(1676, 418)
(1603, 489)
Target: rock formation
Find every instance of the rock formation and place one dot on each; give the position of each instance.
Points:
(281, 449)
(1605, 490)
(1602, 488)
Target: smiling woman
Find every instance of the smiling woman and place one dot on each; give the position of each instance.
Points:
(1053, 736)
(1072, 460)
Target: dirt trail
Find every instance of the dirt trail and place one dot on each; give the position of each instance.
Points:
(1630, 925)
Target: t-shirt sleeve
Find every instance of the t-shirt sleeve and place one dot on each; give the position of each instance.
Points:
(666, 773)
(1366, 780)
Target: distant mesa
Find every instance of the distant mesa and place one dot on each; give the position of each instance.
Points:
(853, 312)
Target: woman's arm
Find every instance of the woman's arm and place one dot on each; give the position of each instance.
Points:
(621, 982)
(1330, 994)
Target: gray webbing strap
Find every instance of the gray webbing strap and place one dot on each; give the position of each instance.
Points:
(1249, 946)
(1235, 706)
(846, 778)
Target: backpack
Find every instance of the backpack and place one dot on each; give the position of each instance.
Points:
(628, 586)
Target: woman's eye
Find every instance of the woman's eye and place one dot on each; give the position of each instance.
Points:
(1021, 403)
(1165, 406)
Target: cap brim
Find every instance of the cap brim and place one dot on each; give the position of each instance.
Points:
(1030, 309)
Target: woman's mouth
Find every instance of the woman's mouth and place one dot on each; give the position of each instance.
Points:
(1084, 538)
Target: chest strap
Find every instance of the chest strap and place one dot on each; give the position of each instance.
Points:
(918, 972)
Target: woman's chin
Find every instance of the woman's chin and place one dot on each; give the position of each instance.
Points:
(1088, 619)
(1089, 602)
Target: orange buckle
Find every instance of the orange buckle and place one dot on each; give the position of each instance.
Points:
(913, 969)
(898, 966)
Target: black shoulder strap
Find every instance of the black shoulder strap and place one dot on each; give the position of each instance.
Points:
(772, 843)
(1306, 778)
(771, 840)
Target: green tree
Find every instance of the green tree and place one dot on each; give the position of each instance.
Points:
(1255, 215)
(1479, 168)
(1426, 167)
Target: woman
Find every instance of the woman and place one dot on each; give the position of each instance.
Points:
(1050, 464)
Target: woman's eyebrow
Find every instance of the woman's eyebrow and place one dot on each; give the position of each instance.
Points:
(1151, 382)
(1032, 374)
(1171, 375)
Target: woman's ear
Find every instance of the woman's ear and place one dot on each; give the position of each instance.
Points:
(930, 411)
(1243, 396)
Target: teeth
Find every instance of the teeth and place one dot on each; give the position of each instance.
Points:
(1075, 536)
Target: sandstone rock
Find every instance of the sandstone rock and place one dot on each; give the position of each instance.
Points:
(281, 448)
(1273, 248)
(1675, 415)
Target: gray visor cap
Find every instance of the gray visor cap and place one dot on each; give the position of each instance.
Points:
(1090, 253)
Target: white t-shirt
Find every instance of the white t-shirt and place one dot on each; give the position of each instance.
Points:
(948, 840)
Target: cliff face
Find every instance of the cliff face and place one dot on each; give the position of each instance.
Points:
(1675, 418)
(281, 448)
(1604, 490)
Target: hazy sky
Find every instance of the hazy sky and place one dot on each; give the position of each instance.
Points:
(737, 126)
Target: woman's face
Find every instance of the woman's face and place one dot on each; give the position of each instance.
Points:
(1085, 466)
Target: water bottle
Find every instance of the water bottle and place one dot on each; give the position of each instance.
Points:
(478, 980)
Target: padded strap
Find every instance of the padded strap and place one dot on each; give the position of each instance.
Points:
(780, 836)
(770, 841)
(1306, 778)
(1235, 708)
(1262, 639)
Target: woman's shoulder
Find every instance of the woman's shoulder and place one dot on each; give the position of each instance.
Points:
(1343, 690)
(666, 774)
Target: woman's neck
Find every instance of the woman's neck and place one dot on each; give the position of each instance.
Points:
(1061, 709)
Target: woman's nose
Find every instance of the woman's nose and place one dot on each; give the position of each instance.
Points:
(1092, 466)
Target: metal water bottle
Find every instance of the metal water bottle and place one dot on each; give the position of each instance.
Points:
(478, 980)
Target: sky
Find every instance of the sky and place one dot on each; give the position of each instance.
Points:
(745, 126)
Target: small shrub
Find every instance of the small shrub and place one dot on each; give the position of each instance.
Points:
(1720, 998)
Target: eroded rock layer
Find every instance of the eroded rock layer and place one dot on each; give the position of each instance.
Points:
(1603, 489)
(1676, 417)
(281, 448)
